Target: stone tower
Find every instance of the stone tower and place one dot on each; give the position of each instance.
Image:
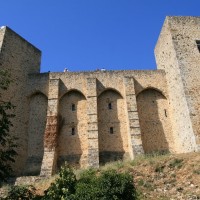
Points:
(20, 58)
(178, 53)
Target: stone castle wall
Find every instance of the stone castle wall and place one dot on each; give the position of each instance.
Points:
(90, 118)
(177, 53)
(20, 58)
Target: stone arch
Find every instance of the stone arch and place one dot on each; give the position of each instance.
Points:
(112, 127)
(154, 120)
(69, 91)
(35, 92)
(110, 89)
(73, 129)
(37, 121)
(152, 88)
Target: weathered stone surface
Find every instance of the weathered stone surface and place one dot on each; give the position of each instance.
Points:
(87, 117)
(177, 53)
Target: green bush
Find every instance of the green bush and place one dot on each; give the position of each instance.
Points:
(21, 193)
(109, 185)
(87, 186)
(63, 187)
(116, 186)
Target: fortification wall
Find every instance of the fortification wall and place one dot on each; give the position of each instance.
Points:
(20, 58)
(118, 129)
(89, 118)
(177, 53)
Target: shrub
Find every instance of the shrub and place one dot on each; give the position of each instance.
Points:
(63, 187)
(8, 143)
(21, 192)
(108, 185)
(87, 186)
(117, 186)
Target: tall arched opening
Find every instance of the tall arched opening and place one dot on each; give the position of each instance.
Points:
(72, 142)
(36, 129)
(112, 127)
(154, 120)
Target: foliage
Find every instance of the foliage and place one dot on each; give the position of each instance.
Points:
(108, 185)
(21, 192)
(115, 185)
(64, 185)
(87, 186)
(92, 186)
(7, 142)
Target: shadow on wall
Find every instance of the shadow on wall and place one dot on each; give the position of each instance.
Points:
(154, 121)
(73, 133)
(37, 122)
(110, 126)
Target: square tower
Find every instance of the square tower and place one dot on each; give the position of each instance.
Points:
(177, 52)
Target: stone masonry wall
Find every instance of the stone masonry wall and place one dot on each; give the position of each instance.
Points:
(153, 110)
(36, 128)
(173, 62)
(185, 33)
(20, 58)
(89, 118)
(73, 130)
(110, 87)
(112, 123)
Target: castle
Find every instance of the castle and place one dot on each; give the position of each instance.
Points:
(90, 118)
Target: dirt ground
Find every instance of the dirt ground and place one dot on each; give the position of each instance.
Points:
(168, 177)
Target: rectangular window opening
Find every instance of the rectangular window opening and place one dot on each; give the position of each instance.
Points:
(73, 131)
(111, 130)
(110, 106)
(73, 107)
(198, 44)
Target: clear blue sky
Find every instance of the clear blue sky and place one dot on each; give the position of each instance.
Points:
(90, 34)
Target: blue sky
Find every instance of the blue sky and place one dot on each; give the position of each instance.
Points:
(90, 34)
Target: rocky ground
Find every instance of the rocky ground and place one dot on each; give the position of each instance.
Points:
(168, 177)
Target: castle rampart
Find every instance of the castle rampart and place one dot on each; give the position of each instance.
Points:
(90, 118)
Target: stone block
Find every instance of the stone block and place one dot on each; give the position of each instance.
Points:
(134, 123)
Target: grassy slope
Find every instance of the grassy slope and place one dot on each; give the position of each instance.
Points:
(157, 176)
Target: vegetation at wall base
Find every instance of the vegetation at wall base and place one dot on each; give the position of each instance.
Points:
(63, 187)
(148, 177)
(21, 192)
(7, 141)
(92, 185)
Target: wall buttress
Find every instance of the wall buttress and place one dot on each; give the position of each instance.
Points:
(93, 145)
(135, 141)
(51, 131)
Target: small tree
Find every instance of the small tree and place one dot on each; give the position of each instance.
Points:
(7, 142)
(63, 187)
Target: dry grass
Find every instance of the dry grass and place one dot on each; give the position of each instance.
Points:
(162, 177)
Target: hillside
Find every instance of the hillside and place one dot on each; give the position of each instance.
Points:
(168, 177)
(164, 177)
